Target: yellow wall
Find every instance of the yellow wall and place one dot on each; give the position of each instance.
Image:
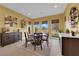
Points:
(8, 12)
(67, 11)
(48, 19)
(61, 17)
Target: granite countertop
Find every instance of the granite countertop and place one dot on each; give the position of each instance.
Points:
(68, 35)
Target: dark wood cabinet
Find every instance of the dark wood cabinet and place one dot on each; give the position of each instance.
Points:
(8, 38)
(70, 46)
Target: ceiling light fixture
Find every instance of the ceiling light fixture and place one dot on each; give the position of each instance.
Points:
(29, 14)
(55, 6)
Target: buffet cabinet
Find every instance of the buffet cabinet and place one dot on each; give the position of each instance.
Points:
(9, 38)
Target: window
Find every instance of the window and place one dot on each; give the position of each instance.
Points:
(36, 25)
(44, 25)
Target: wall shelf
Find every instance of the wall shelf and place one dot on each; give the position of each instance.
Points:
(23, 23)
(11, 21)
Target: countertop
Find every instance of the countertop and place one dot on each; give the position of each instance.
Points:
(68, 35)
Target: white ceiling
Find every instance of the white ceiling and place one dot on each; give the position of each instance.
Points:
(34, 10)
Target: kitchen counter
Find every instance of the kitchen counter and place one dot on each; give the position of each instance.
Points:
(68, 35)
(69, 45)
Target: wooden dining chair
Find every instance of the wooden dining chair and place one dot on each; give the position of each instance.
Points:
(45, 38)
(37, 40)
(27, 39)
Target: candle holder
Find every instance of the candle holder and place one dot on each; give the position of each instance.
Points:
(73, 33)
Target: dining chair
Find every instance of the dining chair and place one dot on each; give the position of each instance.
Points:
(37, 40)
(27, 39)
(45, 38)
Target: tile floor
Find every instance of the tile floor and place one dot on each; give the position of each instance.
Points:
(55, 47)
(18, 49)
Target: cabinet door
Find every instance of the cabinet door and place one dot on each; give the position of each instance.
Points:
(70, 46)
(0, 38)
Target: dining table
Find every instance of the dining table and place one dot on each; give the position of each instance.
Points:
(37, 39)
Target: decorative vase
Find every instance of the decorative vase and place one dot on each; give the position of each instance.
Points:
(73, 34)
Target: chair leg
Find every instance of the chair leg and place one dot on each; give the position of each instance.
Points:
(41, 47)
(26, 44)
(35, 47)
(47, 43)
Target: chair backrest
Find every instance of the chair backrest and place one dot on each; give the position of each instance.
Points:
(30, 36)
(45, 36)
(36, 36)
(40, 35)
(25, 36)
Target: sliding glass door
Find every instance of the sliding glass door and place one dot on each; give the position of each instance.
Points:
(55, 27)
